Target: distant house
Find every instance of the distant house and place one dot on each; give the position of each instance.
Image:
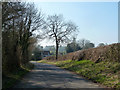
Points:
(45, 53)
(50, 48)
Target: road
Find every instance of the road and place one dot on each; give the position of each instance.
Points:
(50, 76)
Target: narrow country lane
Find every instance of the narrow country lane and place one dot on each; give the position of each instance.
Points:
(50, 76)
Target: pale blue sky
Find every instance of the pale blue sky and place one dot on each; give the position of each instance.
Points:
(97, 21)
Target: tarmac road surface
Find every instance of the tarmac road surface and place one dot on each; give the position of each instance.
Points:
(50, 76)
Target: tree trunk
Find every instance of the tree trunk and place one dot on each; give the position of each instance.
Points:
(57, 46)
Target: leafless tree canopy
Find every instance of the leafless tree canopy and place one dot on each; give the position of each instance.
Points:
(82, 42)
(55, 27)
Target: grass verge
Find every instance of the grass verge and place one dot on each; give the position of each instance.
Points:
(105, 73)
(10, 78)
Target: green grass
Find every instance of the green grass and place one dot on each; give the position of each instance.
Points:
(10, 78)
(104, 72)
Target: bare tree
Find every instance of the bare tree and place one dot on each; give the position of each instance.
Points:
(56, 28)
(83, 42)
(19, 20)
(30, 21)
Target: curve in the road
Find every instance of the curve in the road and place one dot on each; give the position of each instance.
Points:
(50, 76)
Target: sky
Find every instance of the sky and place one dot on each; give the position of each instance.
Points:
(97, 21)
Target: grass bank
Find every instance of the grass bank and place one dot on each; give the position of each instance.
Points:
(104, 72)
(9, 79)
